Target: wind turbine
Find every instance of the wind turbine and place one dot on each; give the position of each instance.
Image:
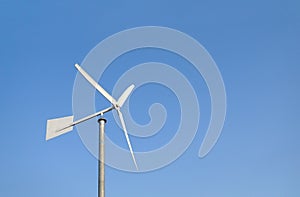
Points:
(59, 126)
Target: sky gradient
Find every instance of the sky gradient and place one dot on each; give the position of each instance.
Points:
(256, 46)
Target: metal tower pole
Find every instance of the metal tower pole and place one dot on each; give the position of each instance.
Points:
(101, 176)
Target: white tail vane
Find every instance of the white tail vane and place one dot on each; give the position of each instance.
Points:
(59, 126)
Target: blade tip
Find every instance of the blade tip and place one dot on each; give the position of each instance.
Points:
(77, 66)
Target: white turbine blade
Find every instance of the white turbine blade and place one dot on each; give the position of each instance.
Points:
(96, 85)
(126, 135)
(125, 95)
(58, 126)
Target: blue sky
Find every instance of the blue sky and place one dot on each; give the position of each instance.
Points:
(255, 45)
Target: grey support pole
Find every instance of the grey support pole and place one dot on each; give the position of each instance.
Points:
(101, 176)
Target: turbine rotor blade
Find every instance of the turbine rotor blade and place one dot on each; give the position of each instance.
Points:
(125, 95)
(116, 104)
(96, 85)
(126, 135)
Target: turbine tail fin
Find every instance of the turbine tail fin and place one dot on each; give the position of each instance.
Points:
(59, 126)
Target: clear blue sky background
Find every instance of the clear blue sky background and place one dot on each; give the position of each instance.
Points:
(256, 45)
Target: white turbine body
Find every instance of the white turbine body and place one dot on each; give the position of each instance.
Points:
(59, 126)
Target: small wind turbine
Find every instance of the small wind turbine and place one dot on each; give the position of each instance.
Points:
(59, 126)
